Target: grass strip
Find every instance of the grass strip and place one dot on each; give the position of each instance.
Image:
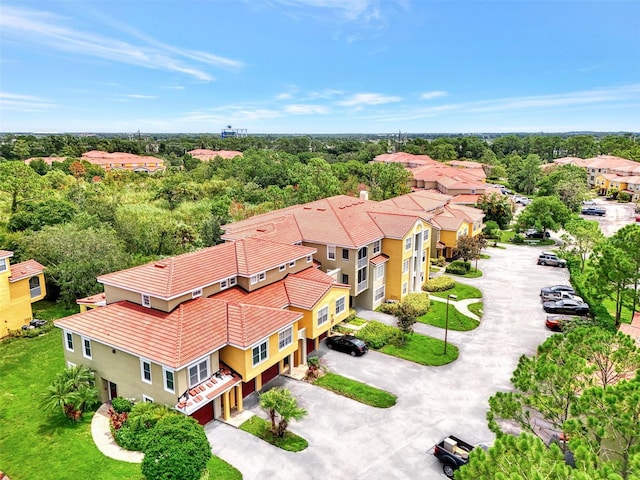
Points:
(261, 428)
(355, 390)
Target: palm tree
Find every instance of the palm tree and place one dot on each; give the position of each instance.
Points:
(281, 402)
(145, 415)
(72, 391)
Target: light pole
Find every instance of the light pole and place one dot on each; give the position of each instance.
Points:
(446, 321)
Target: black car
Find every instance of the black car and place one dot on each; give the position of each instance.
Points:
(533, 233)
(569, 307)
(594, 211)
(557, 289)
(347, 344)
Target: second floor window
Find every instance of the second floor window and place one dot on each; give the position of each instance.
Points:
(3, 264)
(376, 247)
(34, 287)
(169, 384)
(345, 254)
(340, 305)
(68, 337)
(380, 271)
(259, 353)
(323, 315)
(145, 370)
(407, 244)
(198, 373)
(86, 348)
(146, 301)
(285, 338)
(331, 252)
(405, 266)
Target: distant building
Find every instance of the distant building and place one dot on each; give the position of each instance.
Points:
(206, 155)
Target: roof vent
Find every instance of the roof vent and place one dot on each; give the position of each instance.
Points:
(261, 230)
(307, 208)
(321, 209)
(160, 265)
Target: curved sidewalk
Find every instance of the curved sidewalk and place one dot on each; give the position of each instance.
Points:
(103, 439)
(461, 305)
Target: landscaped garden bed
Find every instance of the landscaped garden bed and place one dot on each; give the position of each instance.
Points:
(437, 316)
(356, 390)
(261, 428)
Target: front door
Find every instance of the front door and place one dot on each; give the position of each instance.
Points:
(113, 390)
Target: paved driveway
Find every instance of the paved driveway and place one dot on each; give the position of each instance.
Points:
(352, 441)
(618, 215)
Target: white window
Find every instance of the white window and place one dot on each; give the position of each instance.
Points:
(86, 348)
(34, 287)
(345, 254)
(376, 247)
(146, 300)
(145, 370)
(340, 305)
(68, 341)
(380, 271)
(405, 266)
(259, 353)
(309, 258)
(3, 264)
(292, 264)
(379, 293)
(404, 288)
(169, 384)
(323, 315)
(196, 293)
(232, 281)
(258, 277)
(407, 244)
(425, 235)
(282, 267)
(224, 284)
(198, 372)
(147, 399)
(331, 252)
(285, 338)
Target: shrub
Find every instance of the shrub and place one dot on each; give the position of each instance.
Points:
(491, 229)
(117, 420)
(376, 334)
(624, 197)
(458, 267)
(127, 438)
(439, 284)
(390, 308)
(517, 239)
(441, 261)
(419, 302)
(177, 449)
(121, 405)
(352, 315)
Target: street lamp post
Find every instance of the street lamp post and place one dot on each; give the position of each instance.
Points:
(446, 321)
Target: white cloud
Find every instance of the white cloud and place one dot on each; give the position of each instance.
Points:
(361, 99)
(50, 32)
(306, 110)
(138, 95)
(23, 103)
(433, 94)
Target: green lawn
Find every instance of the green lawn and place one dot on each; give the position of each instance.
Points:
(359, 391)
(261, 428)
(461, 290)
(610, 305)
(34, 444)
(437, 316)
(219, 469)
(506, 236)
(476, 308)
(423, 350)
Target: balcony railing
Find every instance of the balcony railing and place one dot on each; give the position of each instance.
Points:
(361, 286)
(362, 262)
(35, 291)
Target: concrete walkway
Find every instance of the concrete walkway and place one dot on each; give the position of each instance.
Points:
(104, 440)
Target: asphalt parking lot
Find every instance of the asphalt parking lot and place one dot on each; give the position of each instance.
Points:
(618, 215)
(353, 441)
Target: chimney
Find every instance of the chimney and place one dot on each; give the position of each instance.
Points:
(364, 195)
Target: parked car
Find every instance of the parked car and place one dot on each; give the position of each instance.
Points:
(594, 211)
(560, 296)
(35, 323)
(556, 321)
(557, 288)
(533, 233)
(569, 307)
(588, 202)
(452, 453)
(549, 258)
(347, 344)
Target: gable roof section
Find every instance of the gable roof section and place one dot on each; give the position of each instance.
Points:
(5, 254)
(394, 226)
(447, 222)
(249, 323)
(23, 270)
(172, 339)
(341, 220)
(175, 276)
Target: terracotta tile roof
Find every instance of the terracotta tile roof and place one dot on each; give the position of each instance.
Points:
(608, 161)
(407, 159)
(394, 226)
(249, 323)
(446, 222)
(467, 199)
(172, 339)
(48, 160)
(470, 214)
(341, 220)
(380, 259)
(99, 299)
(5, 254)
(175, 276)
(466, 164)
(205, 154)
(418, 201)
(23, 270)
(274, 296)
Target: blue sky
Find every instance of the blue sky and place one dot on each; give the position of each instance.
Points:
(319, 66)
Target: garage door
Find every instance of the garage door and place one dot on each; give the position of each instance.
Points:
(311, 345)
(248, 388)
(270, 374)
(204, 415)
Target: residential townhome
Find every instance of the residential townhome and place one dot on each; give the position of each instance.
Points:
(450, 220)
(113, 161)
(206, 155)
(202, 330)
(379, 250)
(21, 285)
(602, 164)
